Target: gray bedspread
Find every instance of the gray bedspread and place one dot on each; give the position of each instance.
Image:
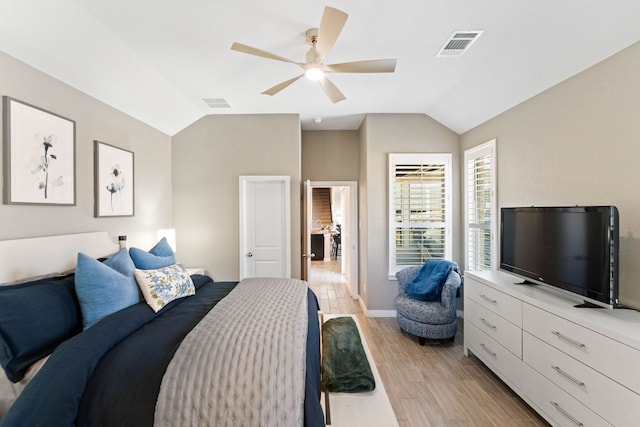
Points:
(261, 359)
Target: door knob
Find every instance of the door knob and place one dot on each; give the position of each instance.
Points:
(308, 255)
(249, 254)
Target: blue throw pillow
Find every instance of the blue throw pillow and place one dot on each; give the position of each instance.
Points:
(35, 317)
(105, 287)
(161, 255)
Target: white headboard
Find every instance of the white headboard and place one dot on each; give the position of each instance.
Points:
(24, 258)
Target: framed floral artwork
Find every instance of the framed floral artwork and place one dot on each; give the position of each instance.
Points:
(39, 156)
(114, 181)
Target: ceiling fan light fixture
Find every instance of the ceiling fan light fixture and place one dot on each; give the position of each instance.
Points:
(314, 68)
(314, 73)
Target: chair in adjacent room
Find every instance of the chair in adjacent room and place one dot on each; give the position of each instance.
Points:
(335, 245)
(434, 319)
(336, 241)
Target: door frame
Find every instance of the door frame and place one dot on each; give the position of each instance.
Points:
(351, 252)
(306, 229)
(244, 180)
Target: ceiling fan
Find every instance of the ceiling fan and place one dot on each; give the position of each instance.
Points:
(321, 41)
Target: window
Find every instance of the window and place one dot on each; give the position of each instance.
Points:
(419, 209)
(480, 207)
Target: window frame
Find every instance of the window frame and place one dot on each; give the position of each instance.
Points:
(486, 149)
(418, 159)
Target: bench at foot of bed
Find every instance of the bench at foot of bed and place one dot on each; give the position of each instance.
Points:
(363, 408)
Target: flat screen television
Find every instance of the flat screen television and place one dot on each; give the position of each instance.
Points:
(571, 248)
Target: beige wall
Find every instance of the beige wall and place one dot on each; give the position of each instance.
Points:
(330, 155)
(394, 133)
(208, 158)
(577, 143)
(94, 120)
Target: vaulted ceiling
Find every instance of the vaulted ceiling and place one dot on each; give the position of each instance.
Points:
(157, 59)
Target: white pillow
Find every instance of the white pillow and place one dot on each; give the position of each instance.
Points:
(163, 285)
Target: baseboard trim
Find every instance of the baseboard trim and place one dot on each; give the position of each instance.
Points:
(381, 313)
(376, 313)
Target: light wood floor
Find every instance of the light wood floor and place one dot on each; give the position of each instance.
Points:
(434, 385)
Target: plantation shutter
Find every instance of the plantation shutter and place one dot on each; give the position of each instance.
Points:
(420, 209)
(480, 208)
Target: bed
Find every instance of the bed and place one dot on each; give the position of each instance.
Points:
(229, 354)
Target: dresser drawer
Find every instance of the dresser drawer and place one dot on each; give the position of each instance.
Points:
(504, 332)
(615, 403)
(611, 358)
(556, 403)
(504, 305)
(496, 357)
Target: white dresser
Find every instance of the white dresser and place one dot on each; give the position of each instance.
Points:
(575, 366)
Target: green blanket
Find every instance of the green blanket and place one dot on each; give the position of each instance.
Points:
(345, 367)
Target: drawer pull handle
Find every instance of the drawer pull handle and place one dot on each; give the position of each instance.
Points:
(486, 298)
(567, 339)
(566, 414)
(487, 324)
(491, 353)
(567, 376)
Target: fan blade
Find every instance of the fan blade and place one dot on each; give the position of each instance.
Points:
(280, 86)
(372, 66)
(331, 90)
(258, 52)
(331, 25)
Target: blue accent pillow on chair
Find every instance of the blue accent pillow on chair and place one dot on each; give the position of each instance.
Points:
(105, 287)
(161, 255)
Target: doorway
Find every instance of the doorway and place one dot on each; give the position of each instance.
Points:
(338, 234)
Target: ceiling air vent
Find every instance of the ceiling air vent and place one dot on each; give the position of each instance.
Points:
(216, 102)
(459, 42)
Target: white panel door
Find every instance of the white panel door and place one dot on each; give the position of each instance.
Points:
(265, 226)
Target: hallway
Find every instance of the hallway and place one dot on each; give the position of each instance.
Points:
(330, 286)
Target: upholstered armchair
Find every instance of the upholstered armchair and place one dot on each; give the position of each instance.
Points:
(424, 319)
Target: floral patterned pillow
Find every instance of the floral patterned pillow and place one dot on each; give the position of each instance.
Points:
(163, 285)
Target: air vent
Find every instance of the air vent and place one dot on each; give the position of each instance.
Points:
(459, 42)
(216, 102)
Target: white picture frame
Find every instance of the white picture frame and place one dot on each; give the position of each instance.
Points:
(114, 181)
(39, 156)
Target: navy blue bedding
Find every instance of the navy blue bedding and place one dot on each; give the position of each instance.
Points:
(313, 415)
(110, 374)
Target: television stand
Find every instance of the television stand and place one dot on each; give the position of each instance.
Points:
(587, 304)
(571, 366)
